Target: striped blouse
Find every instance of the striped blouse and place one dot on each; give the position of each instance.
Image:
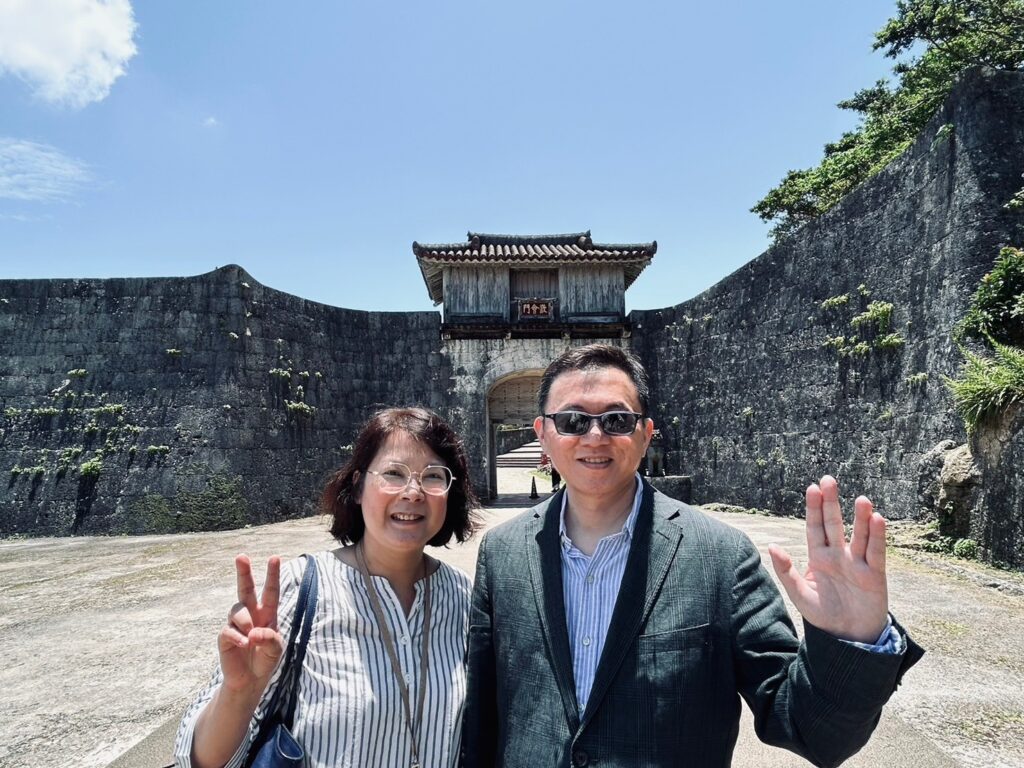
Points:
(349, 710)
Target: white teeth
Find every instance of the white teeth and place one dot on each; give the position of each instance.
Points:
(406, 517)
(594, 461)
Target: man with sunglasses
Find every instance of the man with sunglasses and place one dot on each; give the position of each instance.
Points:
(614, 626)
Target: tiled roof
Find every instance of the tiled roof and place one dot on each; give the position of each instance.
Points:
(531, 251)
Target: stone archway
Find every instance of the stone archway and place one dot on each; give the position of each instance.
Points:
(511, 401)
(478, 367)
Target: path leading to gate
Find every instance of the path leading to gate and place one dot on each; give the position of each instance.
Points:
(105, 639)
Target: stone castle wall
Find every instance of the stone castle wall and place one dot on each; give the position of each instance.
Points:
(203, 402)
(754, 402)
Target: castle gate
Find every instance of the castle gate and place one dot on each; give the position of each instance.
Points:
(511, 304)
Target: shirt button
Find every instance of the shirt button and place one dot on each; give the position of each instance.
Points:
(405, 639)
(586, 640)
(408, 679)
(591, 579)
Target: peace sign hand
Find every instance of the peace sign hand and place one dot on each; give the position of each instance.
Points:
(843, 591)
(250, 645)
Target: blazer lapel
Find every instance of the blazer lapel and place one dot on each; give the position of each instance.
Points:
(545, 561)
(655, 543)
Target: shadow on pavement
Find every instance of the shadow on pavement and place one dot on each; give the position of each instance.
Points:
(520, 500)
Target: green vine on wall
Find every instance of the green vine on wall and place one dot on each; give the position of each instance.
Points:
(292, 387)
(94, 428)
(991, 381)
(997, 307)
(872, 326)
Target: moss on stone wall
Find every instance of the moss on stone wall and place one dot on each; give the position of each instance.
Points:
(220, 506)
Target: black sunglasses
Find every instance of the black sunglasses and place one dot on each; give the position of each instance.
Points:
(577, 423)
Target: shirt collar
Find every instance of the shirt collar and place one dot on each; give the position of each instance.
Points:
(627, 527)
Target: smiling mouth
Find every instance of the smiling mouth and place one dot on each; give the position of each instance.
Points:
(595, 462)
(406, 518)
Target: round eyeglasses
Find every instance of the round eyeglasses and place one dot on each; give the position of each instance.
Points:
(395, 477)
(577, 423)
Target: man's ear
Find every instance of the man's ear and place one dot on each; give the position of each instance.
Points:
(538, 428)
(648, 431)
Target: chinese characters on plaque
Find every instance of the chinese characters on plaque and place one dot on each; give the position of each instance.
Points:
(538, 308)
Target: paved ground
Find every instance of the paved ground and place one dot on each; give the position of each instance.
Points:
(105, 639)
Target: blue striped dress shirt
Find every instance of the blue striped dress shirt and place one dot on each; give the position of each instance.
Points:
(590, 585)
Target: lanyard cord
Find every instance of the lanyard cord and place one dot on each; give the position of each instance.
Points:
(389, 644)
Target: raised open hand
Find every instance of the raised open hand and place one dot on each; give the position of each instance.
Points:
(843, 591)
(250, 644)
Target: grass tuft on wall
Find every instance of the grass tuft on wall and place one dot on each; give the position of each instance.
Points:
(987, 386)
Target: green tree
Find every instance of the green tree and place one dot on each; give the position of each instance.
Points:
(951, 36)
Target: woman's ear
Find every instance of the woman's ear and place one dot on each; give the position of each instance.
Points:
(357, 487)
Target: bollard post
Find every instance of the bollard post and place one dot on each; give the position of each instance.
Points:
(533, 487)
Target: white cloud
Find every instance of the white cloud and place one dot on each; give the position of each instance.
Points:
(70, 51)
(38, 172)
(211, 122)
(23, 218)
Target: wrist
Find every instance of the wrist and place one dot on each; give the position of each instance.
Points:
(864, 634)
(240, 698)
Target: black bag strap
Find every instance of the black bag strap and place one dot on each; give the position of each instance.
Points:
(301, 628)
(283, 700)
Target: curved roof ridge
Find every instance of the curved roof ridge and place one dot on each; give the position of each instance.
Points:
(565, 238)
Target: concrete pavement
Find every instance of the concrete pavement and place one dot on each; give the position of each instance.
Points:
(106, 640)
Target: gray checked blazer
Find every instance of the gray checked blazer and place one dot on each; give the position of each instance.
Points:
(697, 625)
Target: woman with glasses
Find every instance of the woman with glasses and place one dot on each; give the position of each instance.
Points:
(383, 681)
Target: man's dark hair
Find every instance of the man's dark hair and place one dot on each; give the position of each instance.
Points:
(594, 356)
(339, 498)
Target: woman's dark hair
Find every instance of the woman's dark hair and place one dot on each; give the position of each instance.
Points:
(339, 498)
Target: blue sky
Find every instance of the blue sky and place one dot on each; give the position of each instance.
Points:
(313, 142)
